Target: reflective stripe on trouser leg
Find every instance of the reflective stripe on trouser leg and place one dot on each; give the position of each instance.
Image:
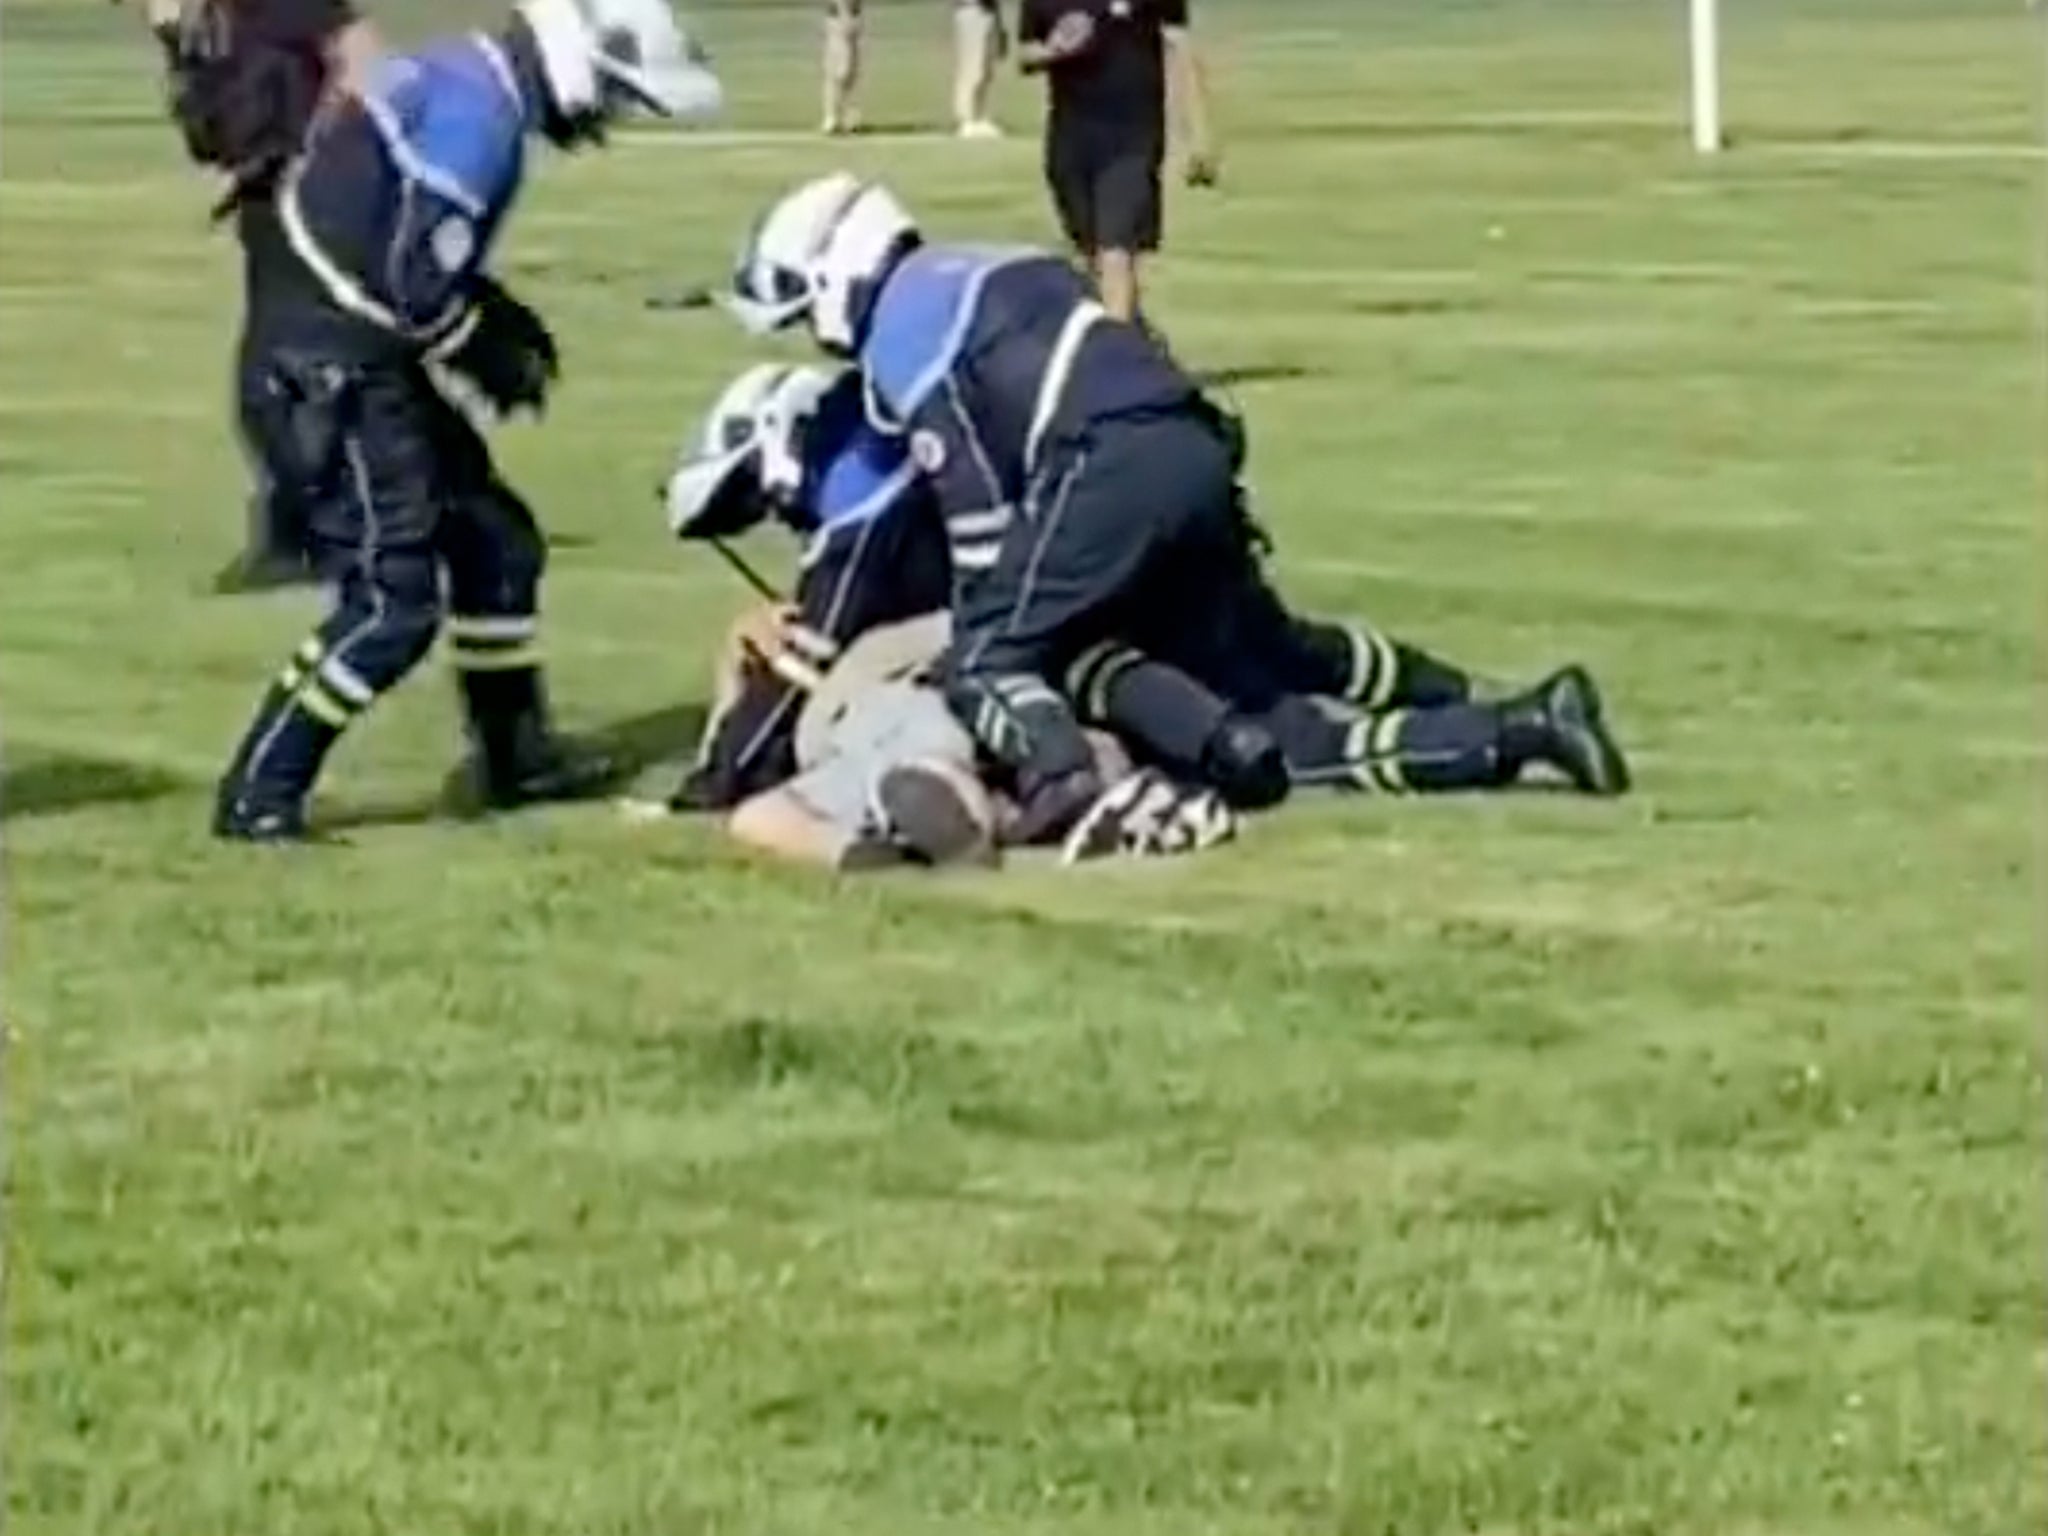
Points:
(497, 667)
(1325, 743)
(1374, 668)
(1396, 751)
(1158, 708)
(1092, 675)
(494, 643)
(382, 623)
(494, 555)
(1455, 746)
(315, 697)
(1381, 672)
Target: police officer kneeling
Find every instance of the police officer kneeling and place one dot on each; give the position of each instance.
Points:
(1091, 496)
(1087, 486)
(379, 292)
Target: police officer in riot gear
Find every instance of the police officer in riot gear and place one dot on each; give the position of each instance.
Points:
(793, 445)
(383, 302)
(1091, 493)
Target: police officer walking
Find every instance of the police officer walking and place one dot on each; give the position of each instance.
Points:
(377, 295)
(245, 78)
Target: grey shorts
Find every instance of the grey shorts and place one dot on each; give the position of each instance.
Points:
(883, 727)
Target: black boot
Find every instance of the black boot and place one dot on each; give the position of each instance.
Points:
(1561, 722)
(516, 757)
(239, 819)
(262, 796)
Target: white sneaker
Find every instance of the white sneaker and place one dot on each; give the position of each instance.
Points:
(981, 128)
(1147, 815)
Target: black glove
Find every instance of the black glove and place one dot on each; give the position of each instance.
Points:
(509, 354)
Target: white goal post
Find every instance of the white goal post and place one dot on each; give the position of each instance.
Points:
(1705, 50)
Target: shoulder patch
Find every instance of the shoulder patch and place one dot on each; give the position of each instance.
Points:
(928, 451)
(453, 243)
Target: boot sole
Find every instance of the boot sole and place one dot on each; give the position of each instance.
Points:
(1598, 767)
(295, 835)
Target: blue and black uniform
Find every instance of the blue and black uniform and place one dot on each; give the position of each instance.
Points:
(874, 554)
(376, 291)
(1087, 488)
(1348, 706)
(1103, 556)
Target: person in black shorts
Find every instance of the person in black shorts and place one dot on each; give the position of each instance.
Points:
(1111, 66)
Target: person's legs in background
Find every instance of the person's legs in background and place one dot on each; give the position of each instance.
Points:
(978, 46)
(1126, 223)
(841, 65)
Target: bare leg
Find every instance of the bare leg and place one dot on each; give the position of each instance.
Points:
(779, 823)
(1116, 275)
(975, 43)
(841, 64)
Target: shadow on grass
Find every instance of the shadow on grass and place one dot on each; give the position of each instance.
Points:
(1399, 308)
(1252, 373)
(37, 783)
(634, 745)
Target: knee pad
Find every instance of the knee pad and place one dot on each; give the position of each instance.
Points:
(1244, 763)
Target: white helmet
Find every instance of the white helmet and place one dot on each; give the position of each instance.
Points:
(816, 254)
(751, 442)
(602, 56)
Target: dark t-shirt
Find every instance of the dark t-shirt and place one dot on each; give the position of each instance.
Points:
(1119, 84)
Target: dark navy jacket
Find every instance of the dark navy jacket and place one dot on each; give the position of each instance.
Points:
(875, 553)
(988, 361)
(391, 212)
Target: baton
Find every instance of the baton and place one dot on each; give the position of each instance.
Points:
(748, 574)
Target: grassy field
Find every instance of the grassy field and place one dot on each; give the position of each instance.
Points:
(1521, 1166)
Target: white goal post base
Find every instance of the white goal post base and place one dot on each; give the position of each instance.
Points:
(1705, 51)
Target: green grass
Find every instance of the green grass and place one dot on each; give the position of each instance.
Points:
(1520, 1166)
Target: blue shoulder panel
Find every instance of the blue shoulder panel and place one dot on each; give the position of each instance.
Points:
(924, 319)
(860, 474)
(453, 122)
